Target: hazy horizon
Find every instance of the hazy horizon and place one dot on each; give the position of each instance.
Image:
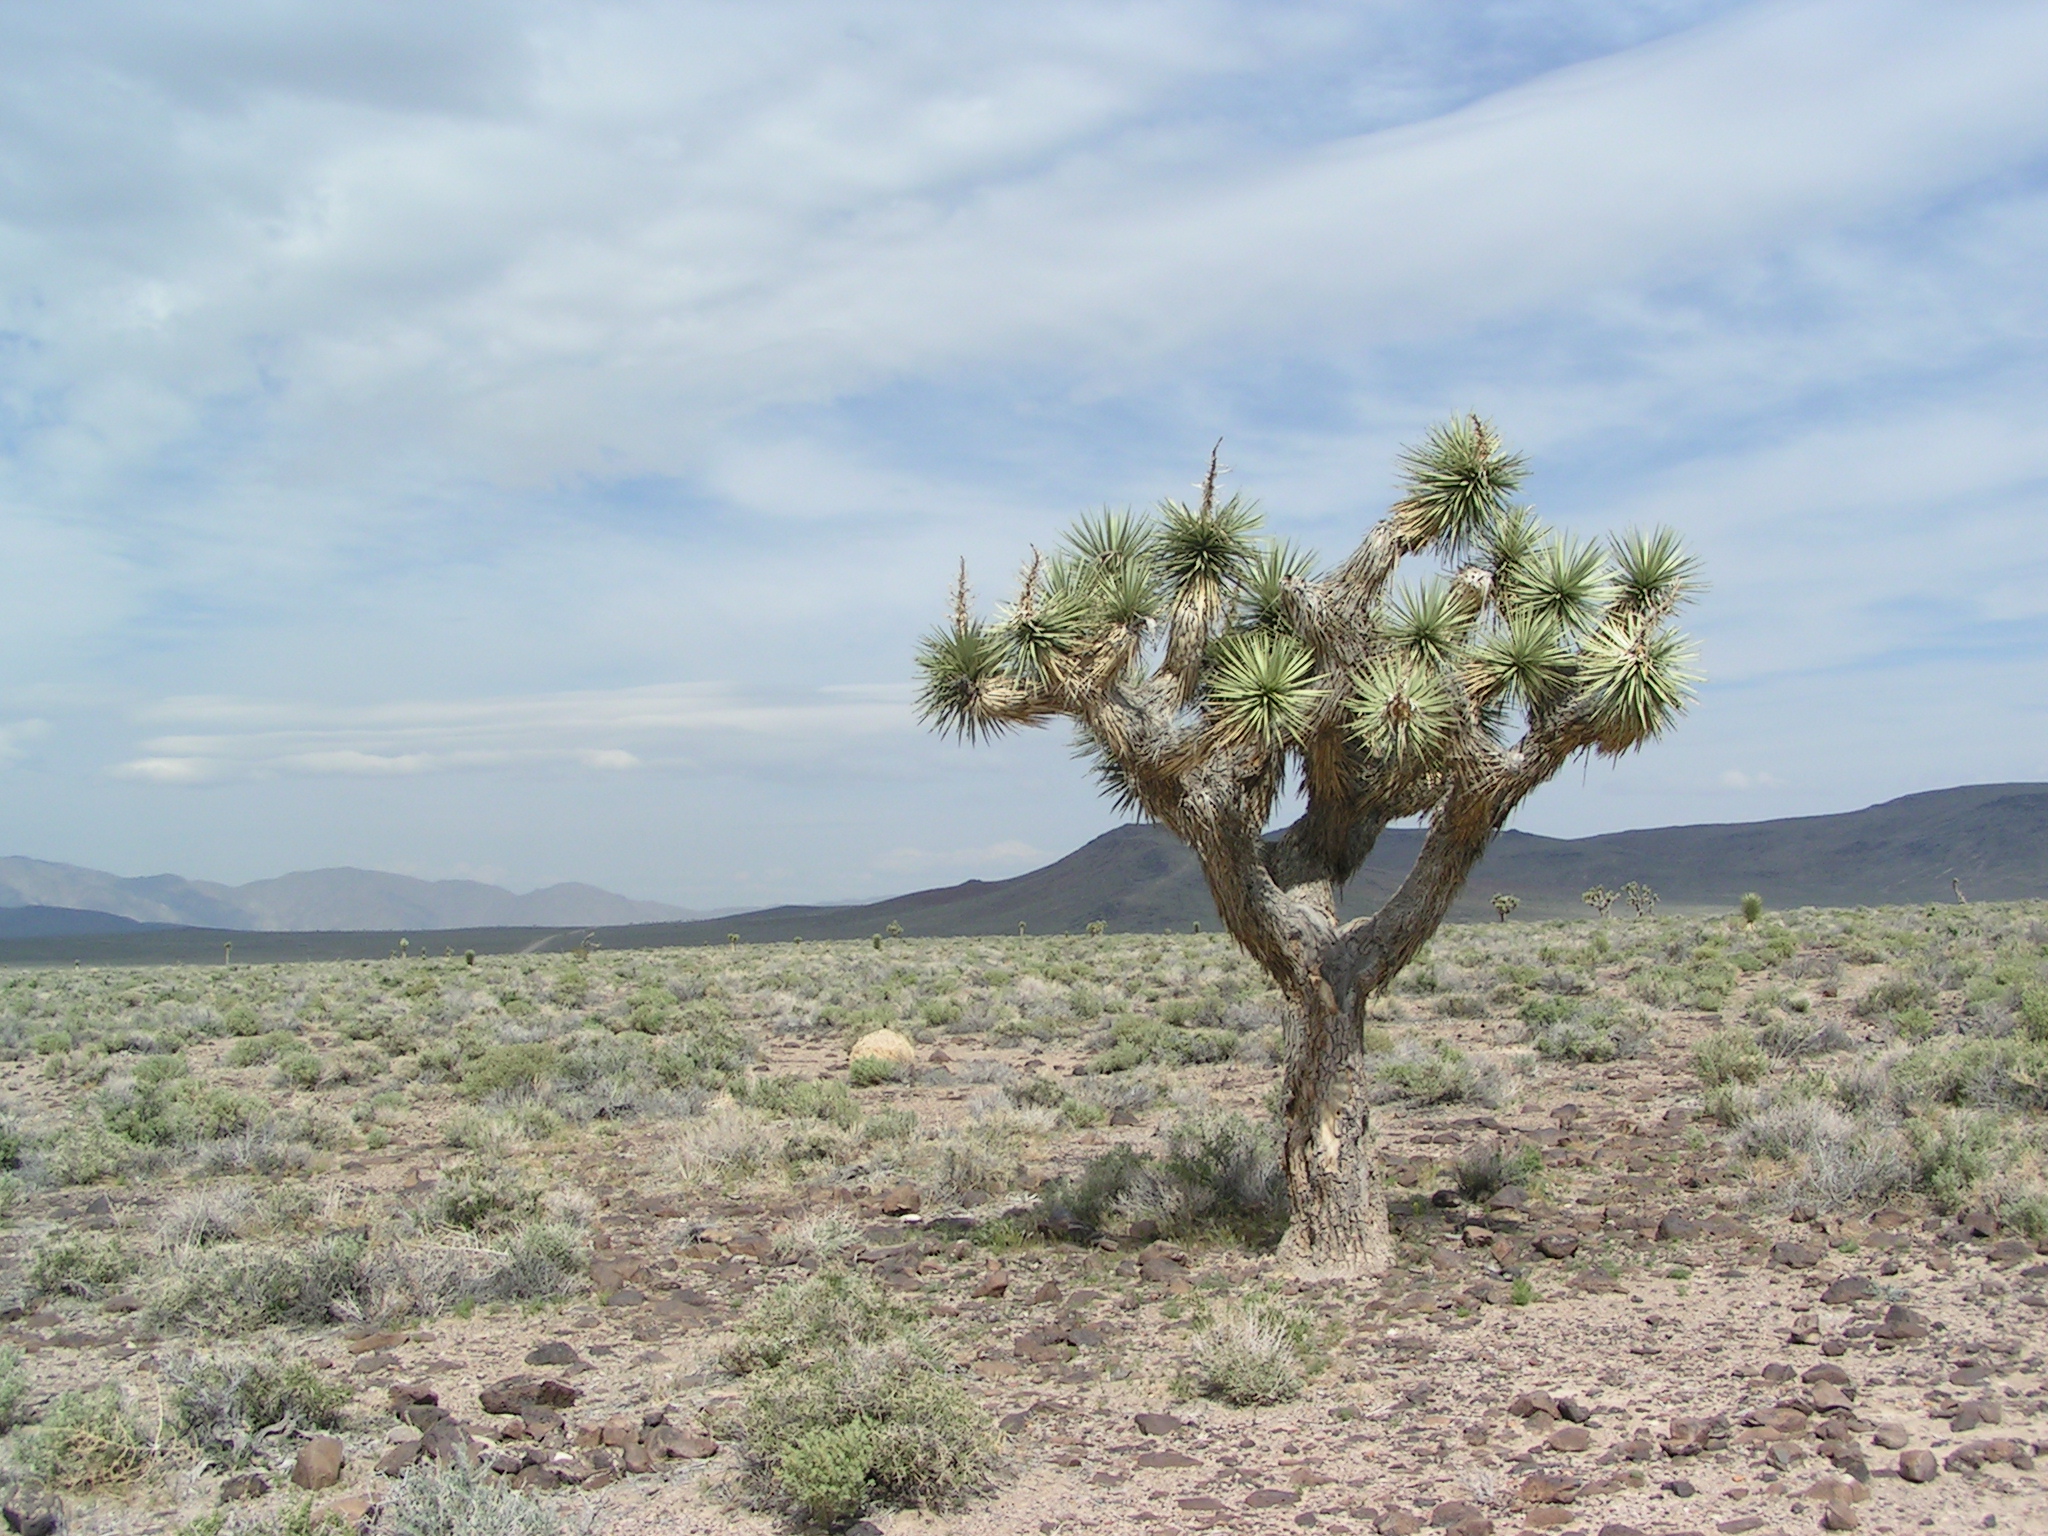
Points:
(525, 444)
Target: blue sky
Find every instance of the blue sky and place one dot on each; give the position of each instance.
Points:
(526, 441)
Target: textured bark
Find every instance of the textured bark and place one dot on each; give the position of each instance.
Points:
(1338, 1215)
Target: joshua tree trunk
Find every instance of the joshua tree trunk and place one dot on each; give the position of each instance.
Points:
(1338, 1218)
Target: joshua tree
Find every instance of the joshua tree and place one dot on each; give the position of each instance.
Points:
(1600, 899)
(1206, 669)
(1752, 908)
(1640, 897)
(1503, 903)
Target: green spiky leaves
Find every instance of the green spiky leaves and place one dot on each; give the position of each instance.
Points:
(1457, 487)
(1430, 623)
(1653, 572)
(967, 690)
(1204, 551)
(1261, 690)
(1403, 715)
(1636, 678)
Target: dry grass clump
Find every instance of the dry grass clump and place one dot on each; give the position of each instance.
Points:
(1248, 1357)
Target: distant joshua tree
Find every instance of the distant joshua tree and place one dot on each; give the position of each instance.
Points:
(1600, 899)
(1097, 928)
(1639, 897)
(1752, 908)
(1504, 904)
(1206, 669)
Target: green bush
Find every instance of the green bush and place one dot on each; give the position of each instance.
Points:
(87, 1440)
(78, 1264)
(832, 1310)
(1134, 1042)
(1435, 1073)
(1729, 1055)
(873, 1071)
(1953, 1151)
(234, 1290)
(2011, 1073)
(511, 1069)
(1091, 1198)
(232, 1406)
(877, 1423)
(13, 1386)
(802, 1098)
(459, 1499)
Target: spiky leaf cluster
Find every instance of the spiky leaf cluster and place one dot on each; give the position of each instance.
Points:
(1175, 637)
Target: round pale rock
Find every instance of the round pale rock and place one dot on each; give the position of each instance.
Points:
(1918, 1466)
(884, 1045)
(319, 1463)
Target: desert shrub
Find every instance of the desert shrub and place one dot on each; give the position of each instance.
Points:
(1248, 1357)
(1220, 1170)
(236, 1407)
(873, 1071)
(835, 1433)
(459, 1499)
(254, 1050)
(87, 1440)
(538, 1260)
(1436, 1073)
(818, 1239)
(79, 1264)
(243, 1288)
(1135, 1042)
(2031, 1013)
(1487, 1168)
(1791, 1039)
(1565, 1029)
(1953, 1152)
(1840, 1160)
(2009, 1073)
(848, 1405)
(480, 1198)
(13, 1386)
(725, 1144)
(1892, 996)
(800, 1098)
(83, 1152)
(514, 1068)
(1090, 1199)
(829, 1311)
(1729, 1055)
(1459, 1005)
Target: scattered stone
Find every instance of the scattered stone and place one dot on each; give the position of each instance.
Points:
(1679, 1488)
(900, 1200)
(1891, 1436)
(31, 1510)
(244, 1485)
(1833, 1375)
(2010, 1250)
(122, 1303)
(1166, 1459)
(1557, 1245)
(996, 1282)
(1046, 1294)
(682, 1444)
(1159, 1424)
(1918, 1466)
(1547, 1488)
(1779, 1374)
(1451, 1512)
(1901, 1323)
(554, 1352)
(1122, 1117)
(1529, 1404)
(1791, 1255)
(1571, 1437)
(399, 1457)
(1574, 1411)
(1509, 1197)
(1270, 1498)
(1677, 1227)
(318, 1464)
(1848, 1290)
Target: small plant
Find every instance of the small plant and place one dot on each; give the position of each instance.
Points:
(1729, 1055)
(233, 1406)
(87, 1440)
(13, 1386)
(458, 1499)
(873, 1071)
(1521, 1292)
(1752, 908)
(1248, 1357)
(1504, 904)
(81, 1265)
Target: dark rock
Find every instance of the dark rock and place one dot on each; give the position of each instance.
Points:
(996, 1282)
(1547, 1488)
(1570, 1437)
(554, 1352)
(1121, 1117)
(1557, 1245)
(1901, 1323)
(318, 1464)
(1166, 1459)
(1451, 1511)
(1158, 1424)
(404, 1395)
(1797, 1255)
(1046, 1294)
(900, 1200)
(1918, 1466)
(1679, 1488)
(2009, 1250)
(1777, 1373)
(1847, 1290)
(1509, 1197)
(1529, 1404)
(1677, 1227)
(1574, 1411)
(399, 1457)
(244, 1485)
(1892, 1437)
(31, 1510)
(1833, 1375)
(1270, 1498)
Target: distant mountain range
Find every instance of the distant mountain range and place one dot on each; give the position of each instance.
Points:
(1992, 838)
(315, 900)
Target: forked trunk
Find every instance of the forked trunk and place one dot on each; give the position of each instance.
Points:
(1337, 1208)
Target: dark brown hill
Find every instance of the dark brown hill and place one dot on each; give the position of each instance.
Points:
(1991, 837)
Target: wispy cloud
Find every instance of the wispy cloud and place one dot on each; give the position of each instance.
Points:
(686, 725)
